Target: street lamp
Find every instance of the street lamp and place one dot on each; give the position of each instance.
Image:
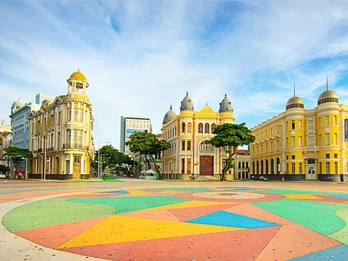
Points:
(99, 157)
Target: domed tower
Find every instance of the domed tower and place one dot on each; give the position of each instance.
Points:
(226, 111)
(169, 115)
(77, 83)
(17, 105)
(328, 95)
(294, 102)
(186, 106)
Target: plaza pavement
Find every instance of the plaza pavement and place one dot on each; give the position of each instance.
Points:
(162, 220)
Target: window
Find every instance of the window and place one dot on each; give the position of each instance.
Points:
(335, 156)
(278, 129)
(292, 141)
(69, 114)
(77, 159)
(310, 140)
(271, 132)
(68, 140)
(326, 120)
(310, 124)
(266, 134)
(300, 124)
(183, 145)
(300, 141)
(327, 167)
(335, 139)
(213, 126)
(271, 148)
(293, 157)
(189, 145)
(292, 168)
(77, 139)
(336, 168)
(327, 139)
(200, 128)
(206, 128)
(335, 120)
(277, 145)
(189, 127)
(319, 121)
(300, 168)
(292, 124)
(327, 156)
(319, 139)
(205, 146)
(183, 127)
(78, 115)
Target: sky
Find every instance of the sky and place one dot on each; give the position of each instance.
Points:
(141, 57)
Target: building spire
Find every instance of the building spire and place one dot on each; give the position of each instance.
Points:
(327, 83)
(294, 90)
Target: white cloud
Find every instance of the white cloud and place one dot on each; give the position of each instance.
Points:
(141, 57)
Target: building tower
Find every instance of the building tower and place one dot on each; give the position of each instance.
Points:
(189, 134)
(61, 134)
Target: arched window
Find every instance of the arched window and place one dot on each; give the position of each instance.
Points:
(200, 128)
(206, 128)
(205, 146)
(183, 127)
(189, 127)
(213, 126)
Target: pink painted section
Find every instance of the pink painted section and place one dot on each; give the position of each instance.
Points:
(54, 236)
(237, 246)
(184, 214)
(154, 214)
(253, 211)
(328, 198)
(293, 241)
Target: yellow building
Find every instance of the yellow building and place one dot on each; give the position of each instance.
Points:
(302, 144)
(189, 133)
(61, 134)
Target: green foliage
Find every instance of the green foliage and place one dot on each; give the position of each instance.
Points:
(17, 154)
(230, 136)
(111, 157)
(4, 168)
(147, 144)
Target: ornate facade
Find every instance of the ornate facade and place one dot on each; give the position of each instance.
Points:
(188, 133)
(61, 134)
(303, 144)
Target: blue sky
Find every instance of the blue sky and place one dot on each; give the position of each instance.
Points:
(140, 57)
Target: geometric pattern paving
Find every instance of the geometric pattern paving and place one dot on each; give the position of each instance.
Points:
(174, 224)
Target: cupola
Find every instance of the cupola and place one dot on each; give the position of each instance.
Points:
(294, 102)
(328, 95)
(225, 105)
(169, 115)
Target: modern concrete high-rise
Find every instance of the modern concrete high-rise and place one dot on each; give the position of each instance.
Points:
(129, 125)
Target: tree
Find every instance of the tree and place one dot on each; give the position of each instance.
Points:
(149, 145)
(230, 136)
(111, 157)
(17, 155)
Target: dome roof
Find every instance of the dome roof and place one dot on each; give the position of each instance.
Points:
(169, 115)
(294, 102)
(327, 96)
(225, 105)
(78, 76)
(186, 104)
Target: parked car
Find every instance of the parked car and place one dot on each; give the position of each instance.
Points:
(263, 178)
(2, 175)
(253, 177)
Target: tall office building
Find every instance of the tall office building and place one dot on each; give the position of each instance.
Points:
(129, 125)
(189, 134)
(301, 143)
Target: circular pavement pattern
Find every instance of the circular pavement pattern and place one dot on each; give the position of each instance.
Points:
(228, 195)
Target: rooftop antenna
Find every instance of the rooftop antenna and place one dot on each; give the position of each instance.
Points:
(294, 89)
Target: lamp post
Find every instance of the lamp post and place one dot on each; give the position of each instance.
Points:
(99, 157)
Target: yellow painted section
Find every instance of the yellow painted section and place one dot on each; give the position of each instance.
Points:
(169, 192)
(192, 204)
(138, 192)
(300, 196)
(342, 235)
(118, 229)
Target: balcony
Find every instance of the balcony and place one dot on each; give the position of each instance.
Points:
(311, 149)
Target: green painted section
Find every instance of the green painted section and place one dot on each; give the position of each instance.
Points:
(316, 216)
(52, 212)
(129, 204)
(301, 192)
(198, 189)
(342, 235)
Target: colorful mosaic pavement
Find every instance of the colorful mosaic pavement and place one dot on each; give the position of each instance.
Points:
(190, 223)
